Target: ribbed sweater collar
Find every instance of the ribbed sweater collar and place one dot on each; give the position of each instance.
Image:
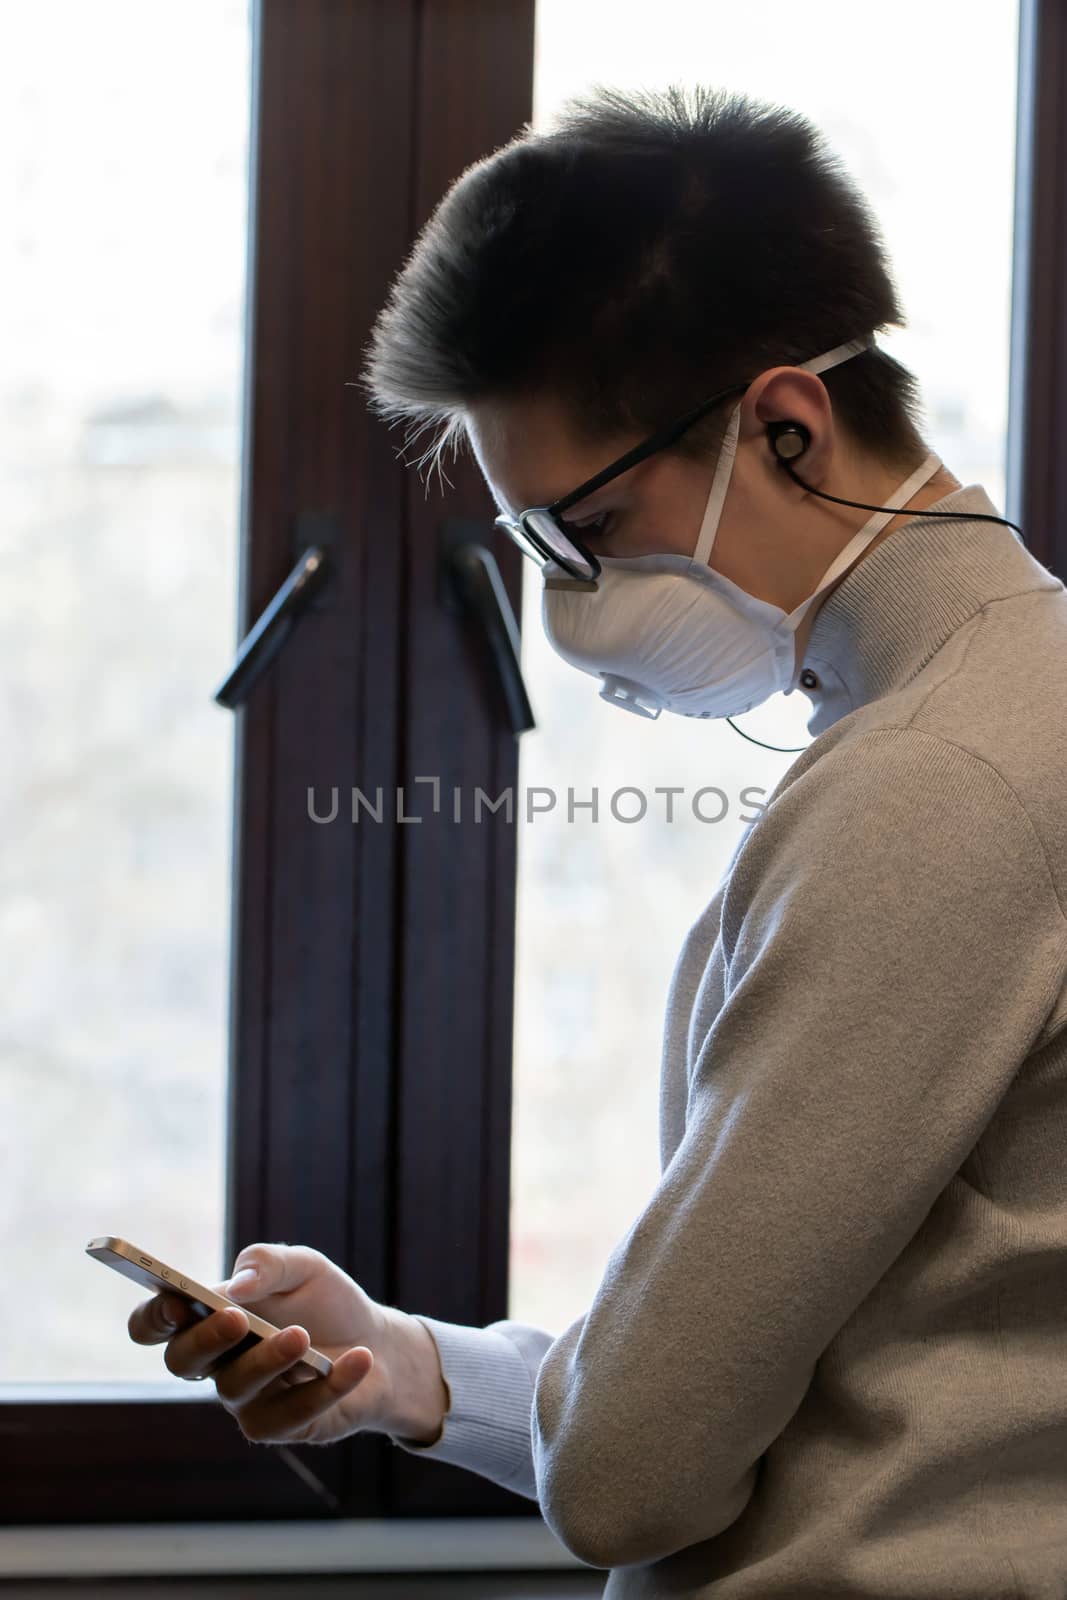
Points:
(899, 605)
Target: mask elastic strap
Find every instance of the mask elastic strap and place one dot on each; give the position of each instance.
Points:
(725, 464)
(900, 496)
(719, 485)
(840, 352)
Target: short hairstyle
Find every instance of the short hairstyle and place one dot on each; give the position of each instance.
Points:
(645, 250)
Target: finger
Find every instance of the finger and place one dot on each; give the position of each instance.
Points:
(268, 1269)
(158, 1319)
(270, 1359)
(192, 1352)
(277, 1418)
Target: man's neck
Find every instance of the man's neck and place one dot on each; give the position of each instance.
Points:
(936, 488)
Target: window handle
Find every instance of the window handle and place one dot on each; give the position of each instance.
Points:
(269, 632)
(478, 593)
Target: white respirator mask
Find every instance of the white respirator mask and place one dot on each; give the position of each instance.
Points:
(667, 632)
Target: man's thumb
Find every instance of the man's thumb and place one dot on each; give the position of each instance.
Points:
(248, 1275)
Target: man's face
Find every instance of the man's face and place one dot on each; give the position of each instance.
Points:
(773, 540)
(530, 457)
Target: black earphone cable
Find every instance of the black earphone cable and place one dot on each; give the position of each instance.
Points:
(795, 430)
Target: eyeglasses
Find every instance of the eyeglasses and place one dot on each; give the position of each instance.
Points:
(541, 532)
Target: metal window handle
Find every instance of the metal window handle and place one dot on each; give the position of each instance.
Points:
(477, 585)
(269, 632)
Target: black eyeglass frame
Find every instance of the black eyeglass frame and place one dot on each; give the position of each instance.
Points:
(533, 544)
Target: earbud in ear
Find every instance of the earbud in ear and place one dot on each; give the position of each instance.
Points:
(788, 439)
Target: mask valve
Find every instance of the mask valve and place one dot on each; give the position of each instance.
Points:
(630, 696)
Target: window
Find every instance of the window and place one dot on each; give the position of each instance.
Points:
(124, 268)
(198, 436)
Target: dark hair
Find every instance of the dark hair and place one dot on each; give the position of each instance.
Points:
(644, 251)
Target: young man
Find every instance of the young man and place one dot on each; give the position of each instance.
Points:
(830, 1356)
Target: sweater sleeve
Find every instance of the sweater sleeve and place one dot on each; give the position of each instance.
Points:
(892, 947)
(489, 1373)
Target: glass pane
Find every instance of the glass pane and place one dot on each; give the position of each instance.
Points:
(604, 905)
(123, 166)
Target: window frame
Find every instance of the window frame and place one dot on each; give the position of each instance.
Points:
(1036, 475)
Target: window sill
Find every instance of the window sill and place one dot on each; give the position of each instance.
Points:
(183, 1549)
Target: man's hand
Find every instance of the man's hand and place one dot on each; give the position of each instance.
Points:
(312, 1301)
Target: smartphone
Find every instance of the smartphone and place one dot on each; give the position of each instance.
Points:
(151, 1273)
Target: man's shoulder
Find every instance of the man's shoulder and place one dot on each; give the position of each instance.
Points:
(876, 788)
(892, 829)
(994, 691)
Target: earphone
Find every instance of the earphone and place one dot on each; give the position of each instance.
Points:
(789, 440)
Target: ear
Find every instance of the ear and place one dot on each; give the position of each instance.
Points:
(790, 394)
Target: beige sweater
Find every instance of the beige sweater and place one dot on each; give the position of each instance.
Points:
(829, 1359)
